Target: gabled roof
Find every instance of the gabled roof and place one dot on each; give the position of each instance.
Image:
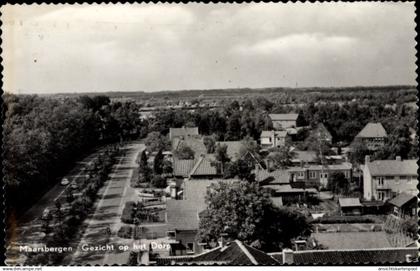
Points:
(401, 199)
(278, 117)
(393, 167)
(351, 256)
(205, 166)
(323, 131)
(183, 167)
(279, 175)
(349, 202)
(274, 133)
(372, 130)
(183, 132)
(233, 253)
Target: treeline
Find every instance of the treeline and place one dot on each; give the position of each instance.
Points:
(247, 118)
(43, 137)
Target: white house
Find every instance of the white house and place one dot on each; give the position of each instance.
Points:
(384, 179)
(271, 139)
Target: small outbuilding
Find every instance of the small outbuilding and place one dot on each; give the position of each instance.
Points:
(350, 206)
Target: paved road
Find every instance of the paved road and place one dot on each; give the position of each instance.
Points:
(28, 228)
(109, 207)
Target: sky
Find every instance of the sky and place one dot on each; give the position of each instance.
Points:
(153, 47)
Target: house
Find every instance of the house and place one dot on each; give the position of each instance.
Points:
(385, 179)
(322, 133)
(347, 256)
(229, 253)
(350, 206)
(182, 216)
(182, 167)
(283, 121)
(270, 139)
(206, 167)
(183, 132)
(317, 175)
(289, 194)
(373, 135)
(404, 205)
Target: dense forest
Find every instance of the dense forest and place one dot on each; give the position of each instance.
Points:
(43, 137)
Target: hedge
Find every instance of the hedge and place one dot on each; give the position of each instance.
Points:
(343, 219)
(125, 232)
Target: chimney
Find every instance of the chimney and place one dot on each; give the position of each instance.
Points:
(398, 158)
(367, 159)
(287, 256)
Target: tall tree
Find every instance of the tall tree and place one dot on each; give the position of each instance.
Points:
(144, 169)
(210, 143)
(247, 211)
(158, 163)
(221, 155)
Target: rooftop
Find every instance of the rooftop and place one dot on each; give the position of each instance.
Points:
(305, 156)
(290, 116)
(205, 166)
(393, 167)
(349, 202)
(274, 133)
(402, 199)
(351, 256)
(372, 130)
(342, 166)
(233, 253)
(278, 175)
(182, 167)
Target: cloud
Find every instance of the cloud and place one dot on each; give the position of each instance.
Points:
(167, 46)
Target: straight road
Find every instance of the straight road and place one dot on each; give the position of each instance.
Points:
(28, 229)
(108, 210)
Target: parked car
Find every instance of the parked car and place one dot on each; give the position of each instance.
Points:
(65, 181)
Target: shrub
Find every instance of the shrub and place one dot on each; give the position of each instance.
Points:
(158, 181)
(125, 232)
(127, 214)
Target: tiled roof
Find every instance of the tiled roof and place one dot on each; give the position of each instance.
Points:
(393, 167)
(349, 202)
(182, 215)
(401, 199)
(279, 175)
(233, 253)
(205, 166)
(273, 133)
(355, 256)
(184, 131)
(183, 167)
(290, 116)
(372, 130)
(352, 240)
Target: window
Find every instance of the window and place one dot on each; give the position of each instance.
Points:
(190, 247)
(312, 174)
(381, 195)
(380, 181)
(301, 174)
